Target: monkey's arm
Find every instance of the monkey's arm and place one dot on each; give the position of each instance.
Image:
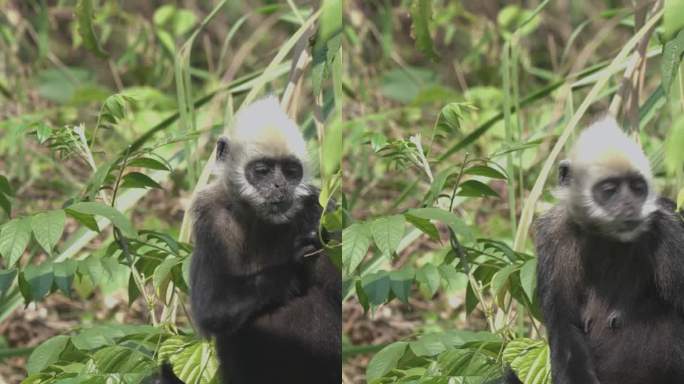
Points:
(314, 319)
(570, 356)
(669, 254)
(223, 298)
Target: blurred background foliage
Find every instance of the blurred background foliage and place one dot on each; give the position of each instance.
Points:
(456, 115)
(109, 111)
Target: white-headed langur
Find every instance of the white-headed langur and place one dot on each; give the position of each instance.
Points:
(260, 283)
(611, 267)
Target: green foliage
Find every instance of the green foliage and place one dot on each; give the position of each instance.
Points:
(672, 58)
(421, 14)
(459, 204)
(84, 12)
(672, 20)
(100, 109)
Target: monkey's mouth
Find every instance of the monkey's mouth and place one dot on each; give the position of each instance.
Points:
(279, 206)
(629, 225)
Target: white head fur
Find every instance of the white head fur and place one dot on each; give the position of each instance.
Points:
(603, 150)
(263, 129)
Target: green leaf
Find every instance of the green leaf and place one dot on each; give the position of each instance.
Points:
(405, 84)
(529, 359)
(421, 15)
(528, 278)
(428, 345)
(377, 287)
(674, 155)
(355, 243)
(46, 353)
(451, 116)
(5, 204)
(474, 188)
(672, 57)
(680, 199)
(454, 222)
(64, 275)
(385, 361)
(6, 279)
(5, 187)
(388, 232)
(400, 283)
(117, 218)
(14, 238)
(139, 180)
(40, 279)
(116, 359)
(500, 282)
(331, 149)
(192, 359)
(149, 163)
(84, 19)
(429, 279)
(162, 276)
(47, 228)
(673, 19)
(87, 220)
(424, 226)
(482, 170)
(455, 279)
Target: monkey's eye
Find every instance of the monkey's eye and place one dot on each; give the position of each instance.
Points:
(292, 170)
(261, 169)
(638, 186)
(608, 188)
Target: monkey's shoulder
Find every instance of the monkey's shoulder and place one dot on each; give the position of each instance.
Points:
(212, 210)
(552, 225)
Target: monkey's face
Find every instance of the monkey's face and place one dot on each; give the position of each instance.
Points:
(274, 186)
(617, 205)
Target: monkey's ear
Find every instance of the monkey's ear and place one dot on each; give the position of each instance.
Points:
(222, 147)
(564, 174)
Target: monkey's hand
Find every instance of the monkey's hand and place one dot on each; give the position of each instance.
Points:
(306, 245)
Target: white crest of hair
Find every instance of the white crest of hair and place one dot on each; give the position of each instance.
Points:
(264, 129)
(604, 147)
(604, 150)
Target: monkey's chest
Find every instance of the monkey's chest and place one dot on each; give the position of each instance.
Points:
(634, 337)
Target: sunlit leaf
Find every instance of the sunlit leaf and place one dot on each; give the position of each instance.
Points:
(387, 232)
(117, 218)
(14, 238)
(385, 361)
(529, 359)
(474, 188)
(672, 57)
(46, 353)
(500, 281)
(355, 242)
(428, 277)
(149, 163)
(528, 278)
(48, 227)
(138, 180)
(673, 18)
(483, 170)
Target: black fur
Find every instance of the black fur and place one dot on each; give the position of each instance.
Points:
(614, 311)
(275, 314)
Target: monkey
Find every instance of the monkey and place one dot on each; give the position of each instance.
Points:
(273, 308)
(610, 272)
